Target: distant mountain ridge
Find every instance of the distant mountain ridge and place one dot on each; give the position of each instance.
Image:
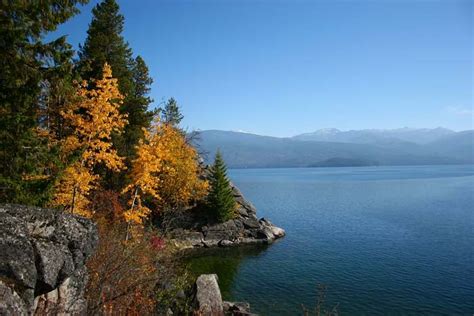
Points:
(369, 136)
(331, 147)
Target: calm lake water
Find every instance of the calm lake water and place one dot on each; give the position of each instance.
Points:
(385, 240)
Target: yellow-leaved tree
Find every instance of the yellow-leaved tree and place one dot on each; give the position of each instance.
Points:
(92, 118)
(165, 172)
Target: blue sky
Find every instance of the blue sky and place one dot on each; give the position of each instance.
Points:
(286, 67)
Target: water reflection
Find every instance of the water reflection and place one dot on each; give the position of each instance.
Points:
(224, 262)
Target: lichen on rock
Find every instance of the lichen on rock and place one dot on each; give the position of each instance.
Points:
(42, 260)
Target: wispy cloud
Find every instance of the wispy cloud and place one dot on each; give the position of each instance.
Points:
(460, 111)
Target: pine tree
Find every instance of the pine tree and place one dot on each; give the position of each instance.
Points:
(171, 114)
(137, 106)
(105, 44)
(25, 63)
(220, 200)
(58, 89)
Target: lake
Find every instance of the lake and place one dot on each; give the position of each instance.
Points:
(384, 240)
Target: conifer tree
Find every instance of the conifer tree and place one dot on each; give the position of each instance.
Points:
(171, 114)
(142, 82)
(105, 44)
(137, 106)
(220, 200)
(58, 89)
(25, 61)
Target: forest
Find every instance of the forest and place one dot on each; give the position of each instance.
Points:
(81, 134)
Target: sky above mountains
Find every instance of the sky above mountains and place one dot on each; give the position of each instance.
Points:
(283, 68)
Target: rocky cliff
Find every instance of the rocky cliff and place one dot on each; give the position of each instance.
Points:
(42, 261)
(192, 230)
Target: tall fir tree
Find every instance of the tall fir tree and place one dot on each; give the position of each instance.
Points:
(139, 115)
(26, 63)
(171, 114)
(220, 199)
(58, 90)
(105, 44)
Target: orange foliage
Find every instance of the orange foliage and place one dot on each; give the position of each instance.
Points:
(166, 170)
(93, 118)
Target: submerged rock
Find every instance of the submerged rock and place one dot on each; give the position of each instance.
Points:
(237, 309)
(42, 260)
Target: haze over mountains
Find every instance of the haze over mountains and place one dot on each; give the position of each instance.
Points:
(332, 147)
(373, 136)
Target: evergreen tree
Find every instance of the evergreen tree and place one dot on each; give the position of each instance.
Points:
(58, 89)
(26, 62)
(220, 200)
(105, 44)
(137, 106)
(171, 114)
(142, 82)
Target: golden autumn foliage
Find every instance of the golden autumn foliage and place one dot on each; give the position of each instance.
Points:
(166, 170)
(74, 187)
(93, 117)
(180, 179)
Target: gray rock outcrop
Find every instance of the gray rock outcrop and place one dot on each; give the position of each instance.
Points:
(192, 232)
(208, 299)
(42, 261)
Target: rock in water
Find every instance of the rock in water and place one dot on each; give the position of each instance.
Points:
(237, 309)
(42, 260)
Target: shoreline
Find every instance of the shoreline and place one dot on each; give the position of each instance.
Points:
(244, 229)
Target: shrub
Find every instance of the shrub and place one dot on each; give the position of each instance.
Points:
(134, 277)
(122, 275)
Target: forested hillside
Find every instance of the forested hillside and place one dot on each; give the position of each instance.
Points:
(243, 150)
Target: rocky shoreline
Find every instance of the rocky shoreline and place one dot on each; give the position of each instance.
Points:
(43, 255)
(193, 231)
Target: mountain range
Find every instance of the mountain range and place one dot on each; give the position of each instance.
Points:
(333, 147)
(373, 136)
